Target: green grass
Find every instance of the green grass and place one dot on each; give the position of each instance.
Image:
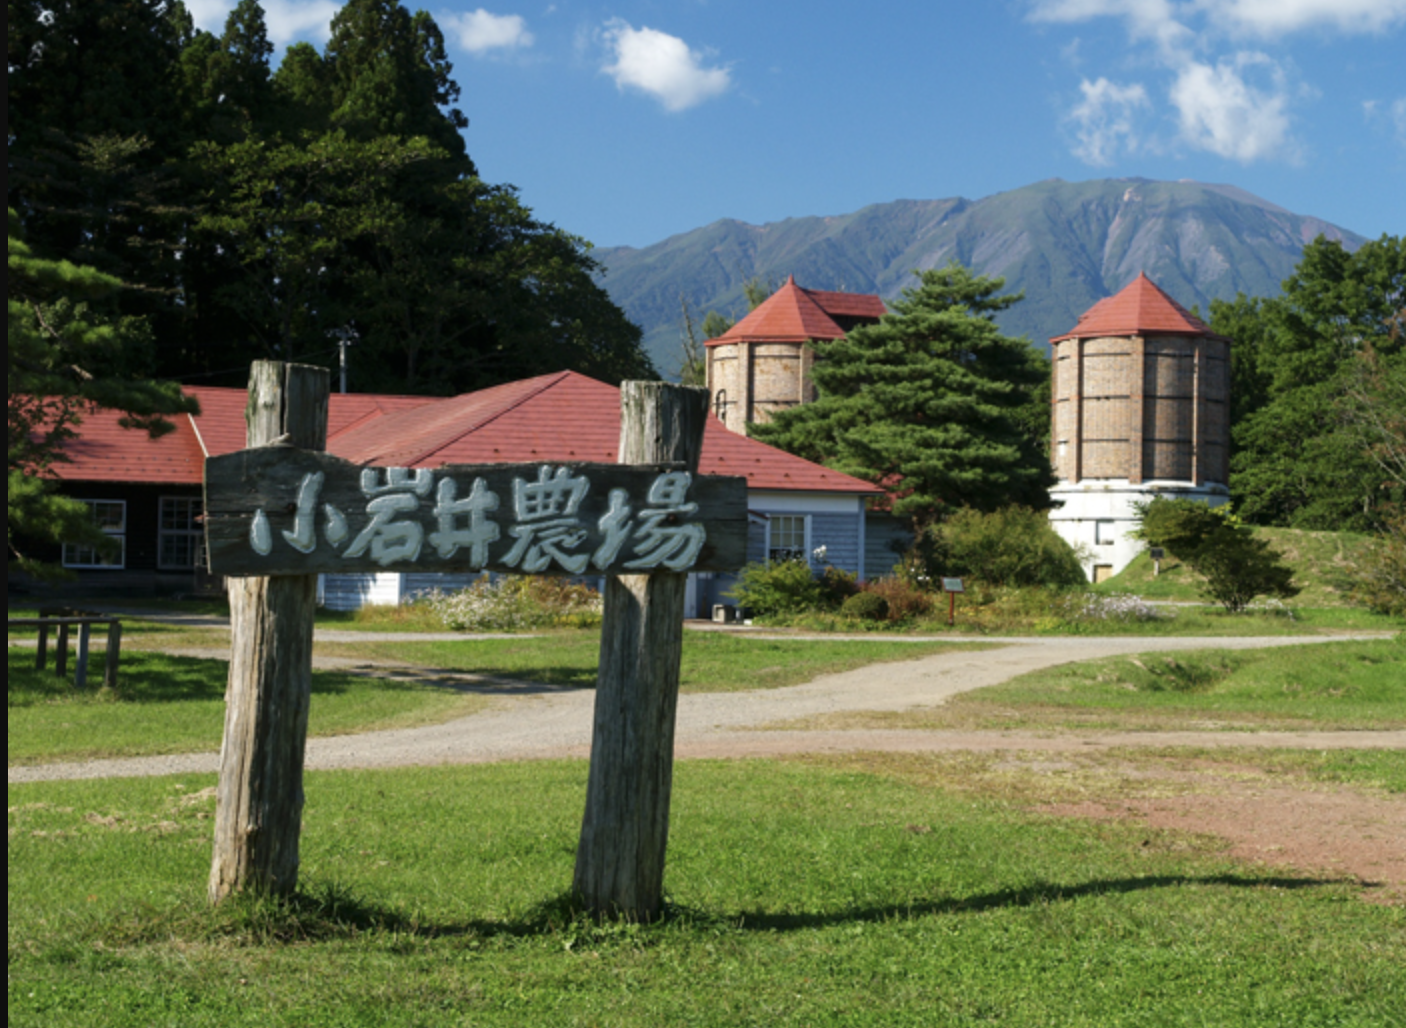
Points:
(1346, 686)
(166, 704)
(801, 895)
(1322, 562)
(175, 704)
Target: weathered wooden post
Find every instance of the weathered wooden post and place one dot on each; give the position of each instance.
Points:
(114, 653)
(259, 801)
(620, 859)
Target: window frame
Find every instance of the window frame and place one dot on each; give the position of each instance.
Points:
(771, 549)
(194, 533)
(72, 553)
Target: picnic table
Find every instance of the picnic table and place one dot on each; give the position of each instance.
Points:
(63, 619)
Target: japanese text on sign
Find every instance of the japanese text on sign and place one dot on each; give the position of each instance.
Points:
(538, 528)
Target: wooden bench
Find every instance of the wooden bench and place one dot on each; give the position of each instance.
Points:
(85, 620)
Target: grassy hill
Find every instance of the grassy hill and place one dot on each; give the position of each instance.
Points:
(1322, 563)
(1066, 244)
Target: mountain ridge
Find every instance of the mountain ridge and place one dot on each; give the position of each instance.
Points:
(1066, 244)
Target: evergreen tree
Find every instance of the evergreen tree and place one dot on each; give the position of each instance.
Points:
(64, 358)
(389, 76)
(928, 403)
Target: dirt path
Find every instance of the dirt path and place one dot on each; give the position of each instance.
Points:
(1337, 831)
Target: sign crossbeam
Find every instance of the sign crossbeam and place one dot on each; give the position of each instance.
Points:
(279, 510)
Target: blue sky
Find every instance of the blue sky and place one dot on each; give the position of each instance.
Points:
(626, 122)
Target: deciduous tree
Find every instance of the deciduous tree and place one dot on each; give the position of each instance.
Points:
(1301, 459)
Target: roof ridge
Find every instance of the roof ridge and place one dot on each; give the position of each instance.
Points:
(555, 379)
(377, 411)
(200, 439)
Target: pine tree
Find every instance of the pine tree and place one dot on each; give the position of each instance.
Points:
(64, 359)
(928, 403)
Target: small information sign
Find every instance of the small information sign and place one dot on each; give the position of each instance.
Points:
(952, 585)
(1156, 553)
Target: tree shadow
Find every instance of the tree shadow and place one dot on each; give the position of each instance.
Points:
(330, 911)
(1035, 894)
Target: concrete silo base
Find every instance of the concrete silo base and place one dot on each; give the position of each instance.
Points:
(1098, 518)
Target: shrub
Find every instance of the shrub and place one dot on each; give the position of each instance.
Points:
(783, 587)
(838, 586)
(1237, 566)
(905, 600)
(1381, 582)
(515, 603)
(1014, 546)
(865, 606)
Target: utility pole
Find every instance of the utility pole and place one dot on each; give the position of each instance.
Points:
(345, 336)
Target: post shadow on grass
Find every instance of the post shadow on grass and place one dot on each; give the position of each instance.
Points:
(488, 682)
(332, 911)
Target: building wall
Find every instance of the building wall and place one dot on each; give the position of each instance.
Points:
(139, 575)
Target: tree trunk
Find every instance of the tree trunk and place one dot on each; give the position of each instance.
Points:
(259, 800)
(620, 859)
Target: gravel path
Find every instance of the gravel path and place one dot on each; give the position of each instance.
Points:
(543, 722)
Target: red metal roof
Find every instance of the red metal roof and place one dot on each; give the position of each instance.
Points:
(106, 452)
(1140, 308)
(220, 423)
(795, 315)
(560, 417)
(848, 305)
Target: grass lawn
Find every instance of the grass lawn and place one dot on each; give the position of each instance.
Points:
(802, 895)
(1347, 685)
(167, 704)
(175, 704)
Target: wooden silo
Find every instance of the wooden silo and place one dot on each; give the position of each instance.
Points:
(1141, 398)
(762, 364)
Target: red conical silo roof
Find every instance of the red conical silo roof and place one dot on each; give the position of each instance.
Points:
(789, 315)
(1140, 308)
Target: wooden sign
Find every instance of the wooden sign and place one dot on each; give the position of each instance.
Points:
(279, 510)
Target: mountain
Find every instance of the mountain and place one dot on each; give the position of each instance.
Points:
(1066, 244)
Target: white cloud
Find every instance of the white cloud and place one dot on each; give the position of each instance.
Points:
(1271, 18)
(1152, 20)
(1234, 105)
(661, 65)
(210, 15)
(286, 20)
(1221, 112)
(1103, 120)
(480, 31)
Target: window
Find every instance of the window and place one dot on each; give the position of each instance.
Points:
(1106, 533)
(786, 537)
(178, 539)
(111, 517)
